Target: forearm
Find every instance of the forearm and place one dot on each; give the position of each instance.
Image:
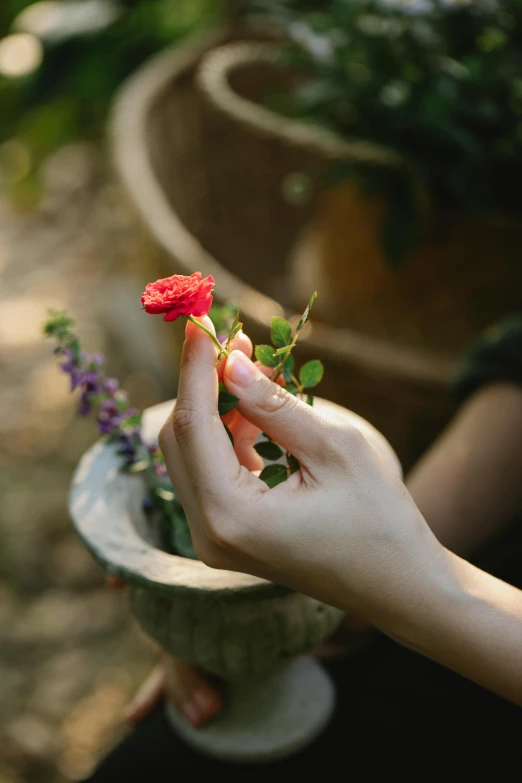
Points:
(472, 624)
(468, 484)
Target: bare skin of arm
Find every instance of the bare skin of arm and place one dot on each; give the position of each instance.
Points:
(468, 486)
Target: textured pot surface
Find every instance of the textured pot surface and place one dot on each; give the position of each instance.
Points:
(236, 638)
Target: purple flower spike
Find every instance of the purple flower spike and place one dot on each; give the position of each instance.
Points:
(109, 417)
(111, 385)
(91, 380)
(85, 405)
(76, 378)
(68, 365)
(97, 359)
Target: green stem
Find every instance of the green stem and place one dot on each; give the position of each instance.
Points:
(222, 349)
(300, 388)
(284, 357)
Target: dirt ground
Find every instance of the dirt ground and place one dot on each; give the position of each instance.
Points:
(70, 653)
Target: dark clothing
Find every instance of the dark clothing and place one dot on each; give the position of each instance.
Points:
(396, 712)
(497, 356)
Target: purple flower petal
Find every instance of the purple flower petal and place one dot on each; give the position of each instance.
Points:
(97, 359)
(111, 385)
(85, 405)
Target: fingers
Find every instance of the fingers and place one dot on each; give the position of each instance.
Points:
(184, 685)
(288, 420)
(205, 445)
(191, 692)
(245, 434)
(241, 342)
(114, 583)
(147, 697)
(182, 483)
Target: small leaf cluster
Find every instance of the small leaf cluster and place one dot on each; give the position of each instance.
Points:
(279, 357)
(223, 319)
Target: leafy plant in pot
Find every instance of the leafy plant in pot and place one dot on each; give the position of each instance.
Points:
(416, 233)
(124, 507)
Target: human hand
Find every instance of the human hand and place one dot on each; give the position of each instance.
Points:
(244, 432)
(342, 529)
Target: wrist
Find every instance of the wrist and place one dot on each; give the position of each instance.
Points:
(438, 615)
(430, 601)
(472, 623)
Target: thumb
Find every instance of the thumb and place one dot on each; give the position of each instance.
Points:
(293, 423)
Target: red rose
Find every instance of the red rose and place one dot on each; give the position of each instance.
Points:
(179, 295)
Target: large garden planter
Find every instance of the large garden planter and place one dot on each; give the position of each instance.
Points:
(212, 191)
(465, 273)
(248, 631)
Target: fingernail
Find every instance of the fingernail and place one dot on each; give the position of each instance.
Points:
(240, 369)
(205, 701)
(192, 712)
(205, 320)
(115, 583)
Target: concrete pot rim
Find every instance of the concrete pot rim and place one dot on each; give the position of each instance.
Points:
(105, 507)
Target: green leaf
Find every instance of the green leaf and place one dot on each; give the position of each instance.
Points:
(226, 400)
(180, 532)
(134, 421)
(306, 315)
(235, 328)
(222, 316)
(265, 355)
(293, 463)
(120, 401)
(291, 388)
(273, 475)
(310, 400)
(233, 332)
(138, 467)
(268, 450)
(311, 373)
(229, 434)
(235, 322)
(281, 332)
(288, 368)
(165, 494)
(58, 323)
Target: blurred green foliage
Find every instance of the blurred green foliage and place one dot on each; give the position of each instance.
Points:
(438, 81)
(68, 96)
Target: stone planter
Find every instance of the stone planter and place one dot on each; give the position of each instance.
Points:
(244, 629)
(464, 274)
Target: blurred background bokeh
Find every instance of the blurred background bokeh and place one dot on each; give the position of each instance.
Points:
(370, 149)
(70, 656)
